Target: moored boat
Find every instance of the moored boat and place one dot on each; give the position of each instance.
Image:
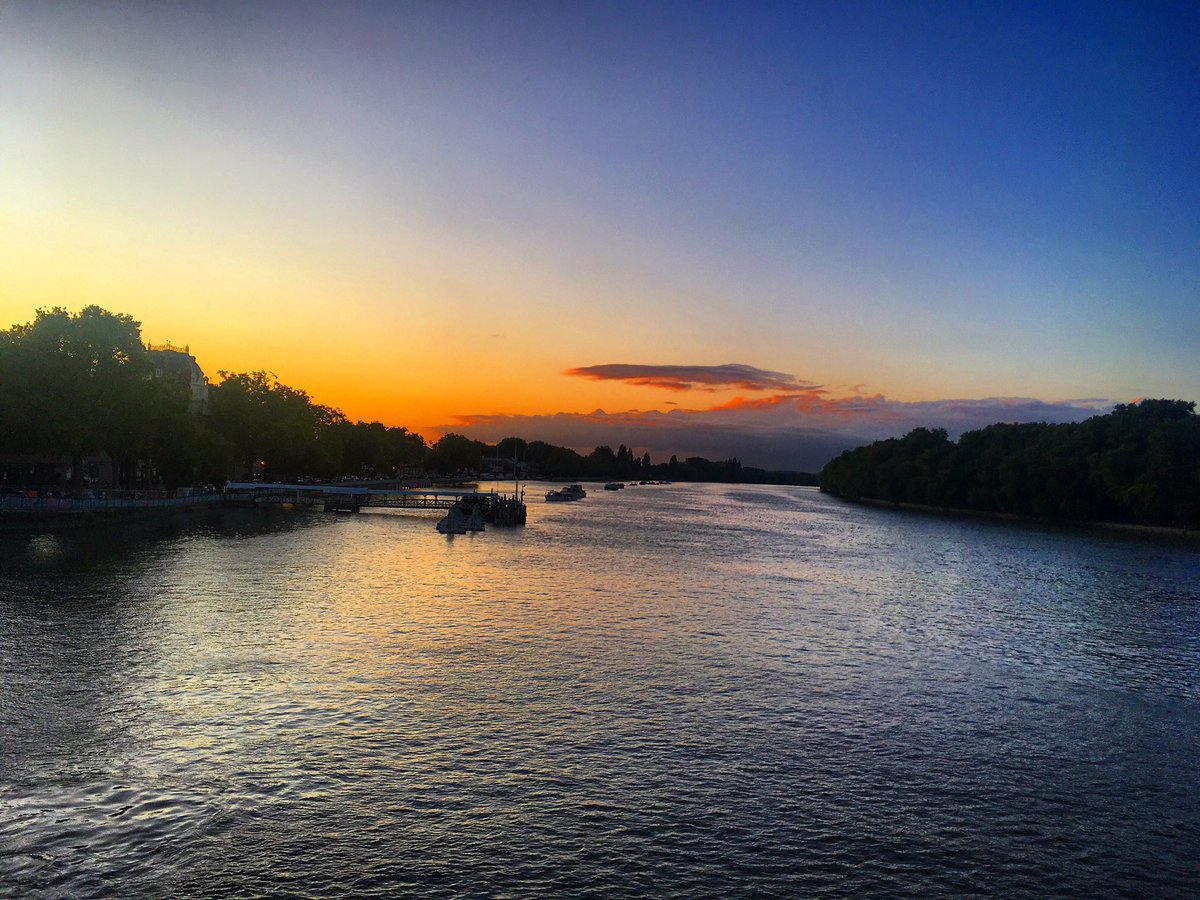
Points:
(461, 518)
(570, 492)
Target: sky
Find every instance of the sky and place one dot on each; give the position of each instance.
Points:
(754, 229)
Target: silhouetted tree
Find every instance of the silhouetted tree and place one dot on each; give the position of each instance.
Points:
(274, 425)
(1139, 463)
(453, 453)
(512, 448)
(83, 384)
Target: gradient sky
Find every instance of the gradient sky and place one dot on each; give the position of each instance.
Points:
(463, 215)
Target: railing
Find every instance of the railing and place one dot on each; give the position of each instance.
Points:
(128, 500)
(499, 509)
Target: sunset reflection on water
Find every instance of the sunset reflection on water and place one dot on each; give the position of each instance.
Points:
(677, 689)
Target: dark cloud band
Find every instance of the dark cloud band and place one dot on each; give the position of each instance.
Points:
(734, 376)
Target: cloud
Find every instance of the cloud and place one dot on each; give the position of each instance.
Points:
(792, 430)
(685, 378)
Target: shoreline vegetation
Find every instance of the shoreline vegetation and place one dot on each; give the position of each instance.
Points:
(1136, 468)
(86, 406)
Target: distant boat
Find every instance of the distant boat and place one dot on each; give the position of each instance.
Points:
(615, 486)
(570, 492)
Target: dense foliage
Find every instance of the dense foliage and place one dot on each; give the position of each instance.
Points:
(1140, 463)
(278, 431)
(84, 386)
(80, 385)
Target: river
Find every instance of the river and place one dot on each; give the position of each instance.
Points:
(684, 690)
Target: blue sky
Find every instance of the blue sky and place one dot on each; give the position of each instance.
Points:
(925, 202)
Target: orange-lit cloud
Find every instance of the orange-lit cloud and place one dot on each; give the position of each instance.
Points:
(735, 376)
(765, 402)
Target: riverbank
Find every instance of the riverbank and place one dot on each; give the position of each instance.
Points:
(1125, 528)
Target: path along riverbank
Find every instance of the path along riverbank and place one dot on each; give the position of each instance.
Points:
(21, 512)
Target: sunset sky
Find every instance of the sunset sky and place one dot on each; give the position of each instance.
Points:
(770, 230)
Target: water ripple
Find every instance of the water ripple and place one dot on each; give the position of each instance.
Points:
(683, 691)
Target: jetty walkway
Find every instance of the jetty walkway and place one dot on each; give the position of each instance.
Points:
(498, 509)
(26, 510)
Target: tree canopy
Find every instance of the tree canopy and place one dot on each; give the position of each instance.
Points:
(82, 384)
(85, 385)
(1140, 463)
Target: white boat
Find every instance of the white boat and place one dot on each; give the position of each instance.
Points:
(451, 524)
(562, 495)
(460, 519)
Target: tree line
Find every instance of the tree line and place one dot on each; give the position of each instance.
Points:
(453, 452)
(84, 386)
(1138, 464)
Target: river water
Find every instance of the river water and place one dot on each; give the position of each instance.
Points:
(672, 690)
